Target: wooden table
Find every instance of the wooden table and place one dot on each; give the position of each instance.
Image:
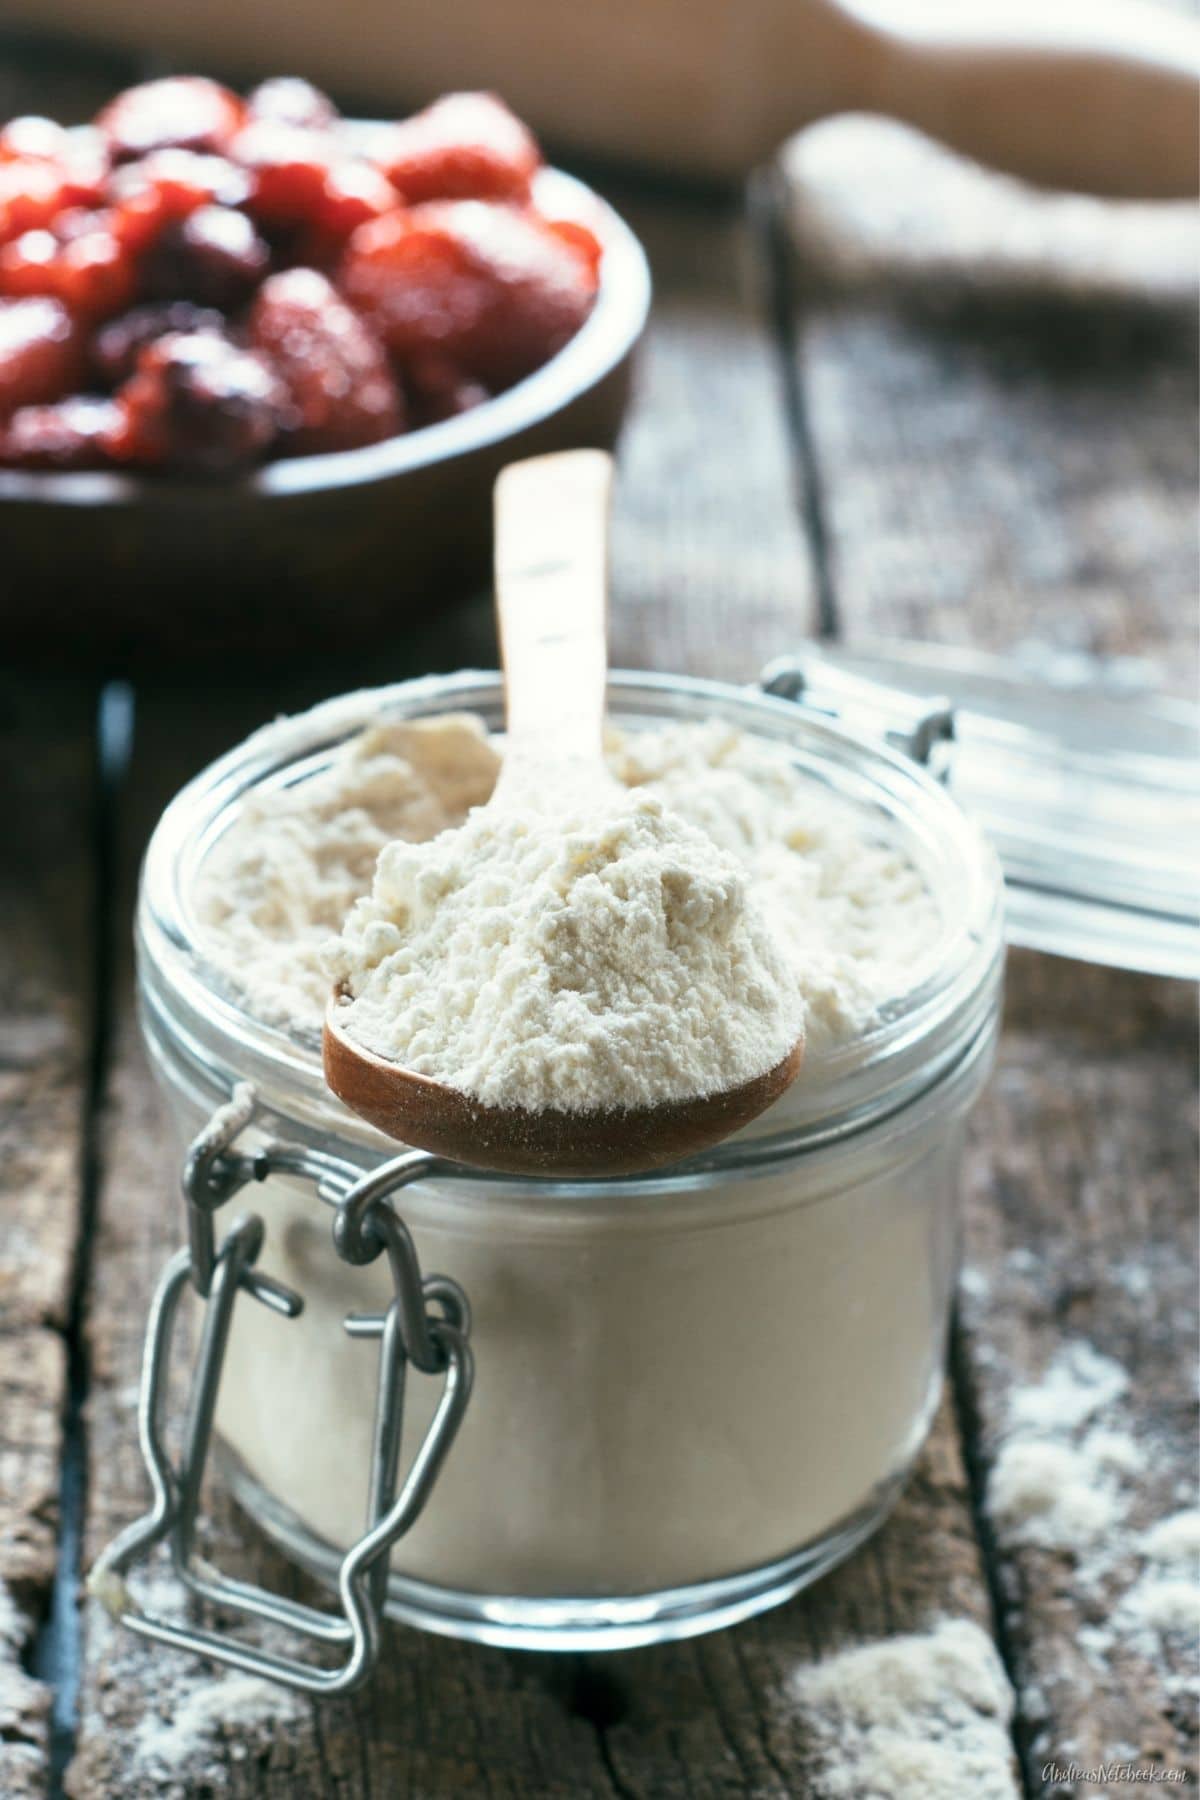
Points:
(889, 395)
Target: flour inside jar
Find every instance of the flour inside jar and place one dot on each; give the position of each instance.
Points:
(600, 957)
(841, 918)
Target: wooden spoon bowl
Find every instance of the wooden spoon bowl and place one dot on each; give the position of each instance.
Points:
(551, 602)
(550, 1144)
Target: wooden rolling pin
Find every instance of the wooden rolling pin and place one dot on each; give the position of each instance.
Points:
(1095, 95)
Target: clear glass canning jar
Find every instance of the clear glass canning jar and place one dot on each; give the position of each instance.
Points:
(694, 1392)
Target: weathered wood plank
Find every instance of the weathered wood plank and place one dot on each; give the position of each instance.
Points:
(711, 571)
(733, 1714)
(1001, 388)
(1001, 392)
(1079, 1333)
(47, 898)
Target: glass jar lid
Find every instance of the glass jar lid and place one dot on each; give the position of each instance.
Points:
(1084, 779)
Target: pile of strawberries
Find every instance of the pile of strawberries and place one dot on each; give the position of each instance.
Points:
(197, 282)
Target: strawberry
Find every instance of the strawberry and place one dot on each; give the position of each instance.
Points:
(306, 178)
(214, 257)
(167, 186)
(92, 274)
(41, 352)
(197, 402)
(74, 434)
(182, 112)
(341, 391)
(493, 290)
(31, 192)
(115, 348)
(286, 100)
(439, 389)
(463, 147)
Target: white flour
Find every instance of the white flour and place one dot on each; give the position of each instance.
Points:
(1055, 1484)
(852, 914)
(1174, 1540)
(1055, 1495)
(203, 1713)
(197, 1724)
(859, 925)
(1060, 1480)
(12, 1626)
(24, 1703)
(1078, 1384)
(1163, 1605)
(923, 1715)
(608, 957)
(1066, 1482)
(280, 884)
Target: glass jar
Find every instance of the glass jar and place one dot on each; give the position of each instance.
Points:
(694, 1392)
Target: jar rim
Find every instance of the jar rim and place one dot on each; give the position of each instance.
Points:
(916, 1038)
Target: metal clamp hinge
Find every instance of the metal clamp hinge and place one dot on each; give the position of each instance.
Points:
(919, 727)
(427, 1323)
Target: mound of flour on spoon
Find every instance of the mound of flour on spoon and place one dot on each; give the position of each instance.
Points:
(610, 958)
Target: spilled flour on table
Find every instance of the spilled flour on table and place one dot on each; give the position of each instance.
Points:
(926, 1714)
(204, 1713)
(1058, 1481)
(1078, 1384)
(1164, 1602)
(1058, 1496)
(24, 1702)
(24, 1710)
(190, 1724)
(12, 1626)
(1174, 1540)
(1068, 1479)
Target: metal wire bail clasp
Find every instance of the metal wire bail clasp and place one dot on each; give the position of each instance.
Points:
(920, 727)
(212, 1173)
(426, 1323)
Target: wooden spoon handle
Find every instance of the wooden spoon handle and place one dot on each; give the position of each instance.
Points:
(551, 609)
(1101, 97)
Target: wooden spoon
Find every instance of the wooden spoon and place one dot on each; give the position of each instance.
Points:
(551, 545)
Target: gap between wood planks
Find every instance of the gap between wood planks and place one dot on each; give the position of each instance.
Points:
(56, 1654)
(967, 1418)
(768, 212)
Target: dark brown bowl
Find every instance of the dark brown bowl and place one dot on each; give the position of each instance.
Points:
(314, 550)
